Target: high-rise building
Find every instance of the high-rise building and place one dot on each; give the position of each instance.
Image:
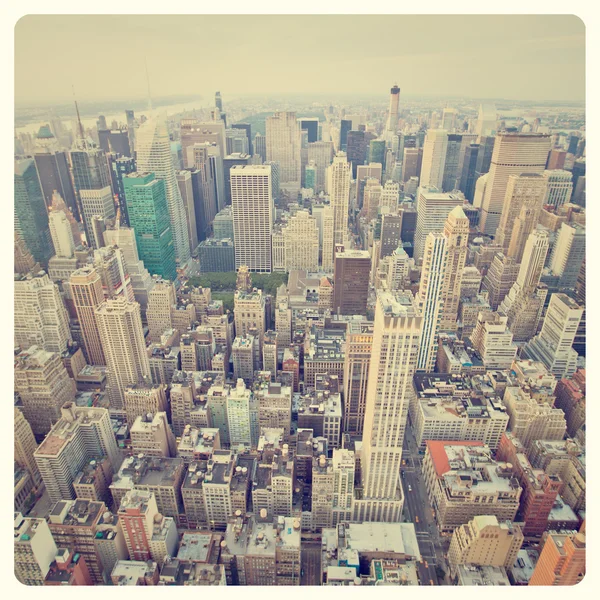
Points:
(260, 146)
(560, 187)
(338, 185)
(186, 189)
(430, 297)
(122, 339)
(249, 314)
(207, 181)
(410, 163)
(356, 148)
(514, 154)
(24, 261)
(486, 121)
(148, 211)
(434, 158)
(568, 254)
(253, 215)
(494, 341)
(301, 240)
(396, 336)
(523, 201)
(25, 445)
(97, 202)
(144, 398)
(310, 124)
(562, 560)
(321, 153)
(230, 161)
(153, 155)
(61, 233)
(357, 358)
(351, 282)
(554, 344)
(31, 213)
(345, 128)
(500, 278)
(34, 550)
(40, 317)
(456, 231)
(391, 124)
(242, 416)
(433, 209)
(80, 434)
(372, 193)
(86, 289)
(283, 142)
(43, 385)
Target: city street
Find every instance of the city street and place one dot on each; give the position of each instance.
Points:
(311, 563)
(417, 510)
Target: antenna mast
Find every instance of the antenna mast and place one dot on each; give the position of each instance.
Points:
(81, 132)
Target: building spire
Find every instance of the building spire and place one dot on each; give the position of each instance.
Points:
(81, 131)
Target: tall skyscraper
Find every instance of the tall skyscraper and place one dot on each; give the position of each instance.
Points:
(153, 155)
(186, 189)
(560, 187)
(345, 127)
(396, 336)
(554, 344)
(122, 338)
(433, 209)
(310, 124)
(260, 146)
(486, 121)
(96, 202)
(514, 154)
(31, 214)
(253, 215)
(456, 231)
(525, 194)
(61, 233)
(351, 282)
(43, 385)
(568, 254)
(322, 155)
(284, 146)
(301, 240)
(434, 158)
(147, 206)
(40, 317)
(86, 290)
(391, 124)
(430, 297)
(338, 186)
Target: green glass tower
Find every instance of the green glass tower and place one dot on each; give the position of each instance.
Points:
(146, 201)
(377, 152)
(31, 214)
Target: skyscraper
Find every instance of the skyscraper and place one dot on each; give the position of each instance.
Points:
(31, 214)
(351, 282)
(396, 336)
(568, 254)
(86, 289)
(560, 187)
(153, 155)
(434, 158)
(430, 297)
(284, 146)
(525, 194)
(486, 121)
(301, 240)
(96, 202)
(253, 213)
(514, 153)
(186, 189)
(338, 186)
(149, 218)
(61, 233)
(122, 339)
(345, 127)
(456, 231)
(391, 124)
(40, 317)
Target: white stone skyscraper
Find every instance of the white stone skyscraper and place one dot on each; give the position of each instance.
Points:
(396, 335)
(430, 298)
(514, 154)
(40, 318)
(153, 155)
(554, 344)
(338, 186)
(122, 338)
(253, 212)
(456, 231)
(62, 234)
(284, 146)
(434, 158)
(391, 124)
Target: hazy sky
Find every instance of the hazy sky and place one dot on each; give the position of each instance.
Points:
(539, 57)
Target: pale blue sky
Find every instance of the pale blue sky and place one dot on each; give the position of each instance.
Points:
(538, 57)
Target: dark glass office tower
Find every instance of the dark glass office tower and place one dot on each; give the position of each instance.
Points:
(467, 177)
(312, 126)
(345, 127)
(248, 129)
(218, 101)
(115, 140)
(53, 170)
(119, 167)
(357, 146)
(31, 214)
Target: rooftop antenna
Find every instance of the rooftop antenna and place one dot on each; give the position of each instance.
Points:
(81, 132)
(148, 82)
